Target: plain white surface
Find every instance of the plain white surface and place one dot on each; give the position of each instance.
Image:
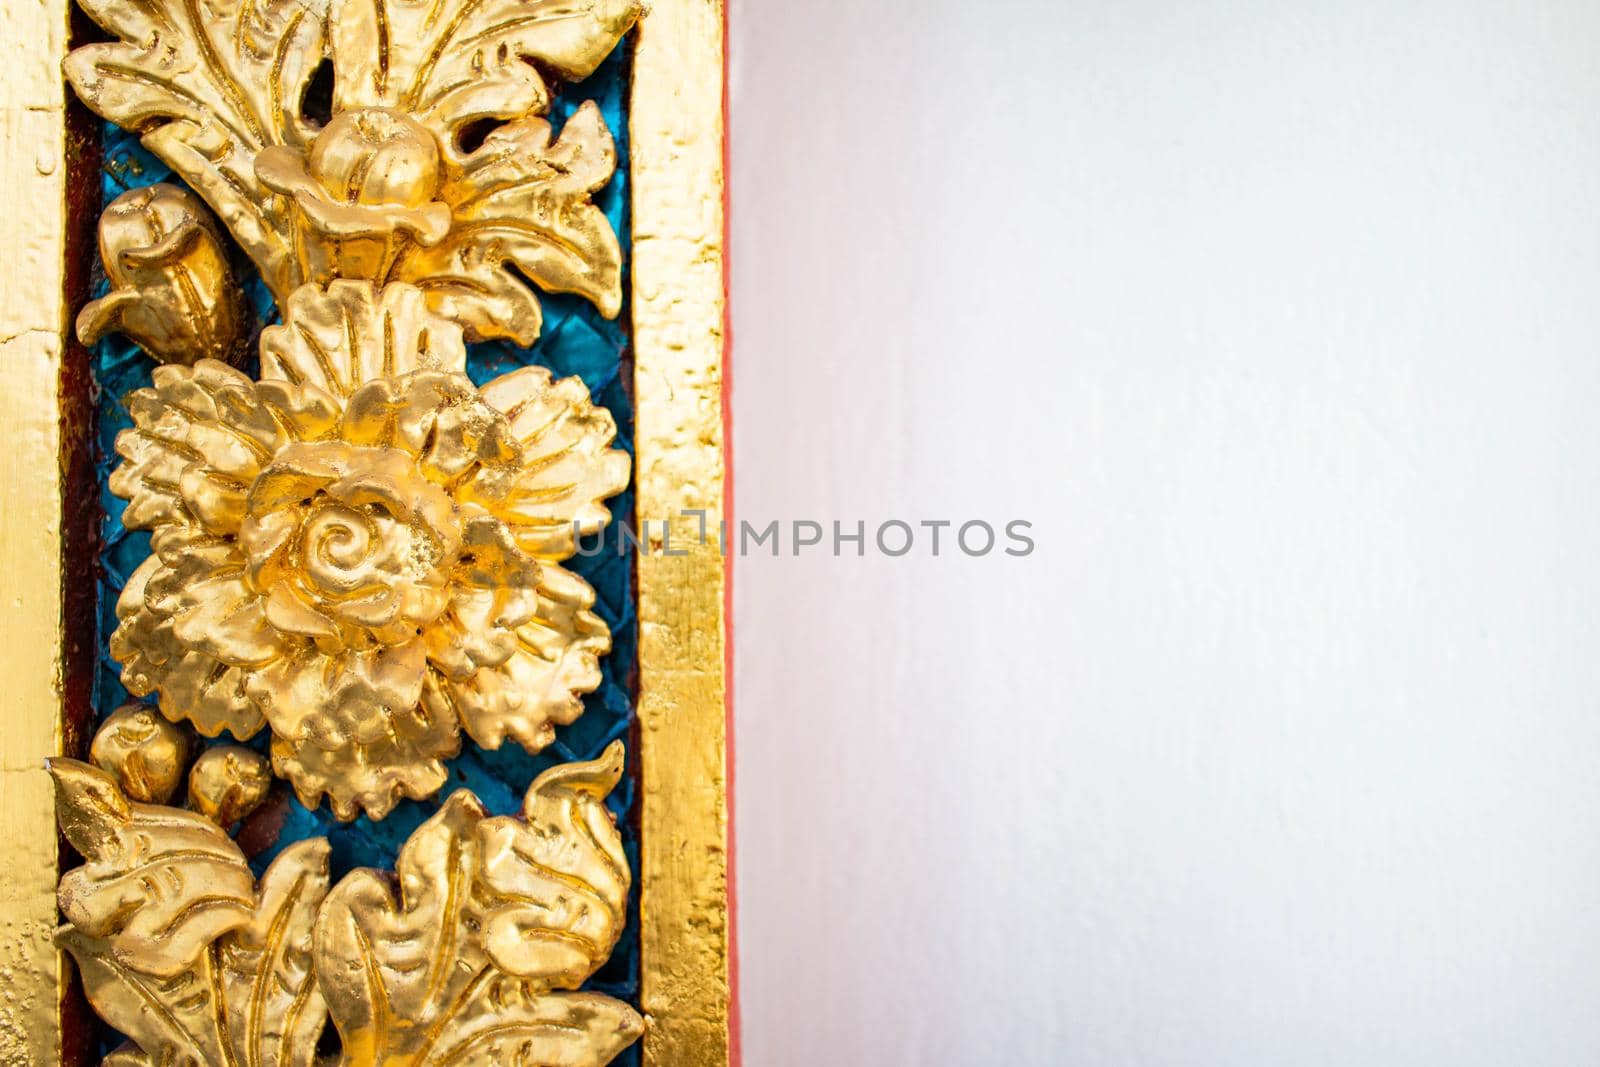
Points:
(1281, 320)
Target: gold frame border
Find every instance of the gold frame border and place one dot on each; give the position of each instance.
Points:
(33, 332)
(676, 132)
(676, 125)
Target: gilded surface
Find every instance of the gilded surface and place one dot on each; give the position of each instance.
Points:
(361, 550)
(390, 188)
(33, 319)
(676, 136)
(172, 289)
(433, 172)
(471, 959)
(143, 751)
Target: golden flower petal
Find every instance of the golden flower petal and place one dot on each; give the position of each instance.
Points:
(223, 617)
(495, 591)
(569, 467)
(210, 695)
(265, 540)
(370, 780)
(200, 436)
(390, 478)
(283, 170)
(479, 630)
(287, 612)
(349, 333)
(339, 698)
(191, 685)
(214, 499)
(539, 686)
(441, 419)
(307, 412)
(352, 727)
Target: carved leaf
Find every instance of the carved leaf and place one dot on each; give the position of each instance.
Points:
(160, 884)
(210, 84)
(217, 975)
(492, 914)
(452, 63)
(349, 333)
(556, 885)
(516, 1023)
(171, 1019)
(393, 969)
(522, 214)
(274, 1010)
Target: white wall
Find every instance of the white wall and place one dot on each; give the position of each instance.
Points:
(1281, 321)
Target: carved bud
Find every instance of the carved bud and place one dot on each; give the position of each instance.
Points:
(172, 290)
(376, 156)
(143, 751)
(366, 192)
(229, 782)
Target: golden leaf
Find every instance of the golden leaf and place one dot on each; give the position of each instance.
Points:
(422, 979)
(159, 884)
(249, 999)
(392, 971)
(210, 85)
(274, 1009)
(517, 1023)
(521, 212)
(555, 884)
(451, 63)
(344, 336)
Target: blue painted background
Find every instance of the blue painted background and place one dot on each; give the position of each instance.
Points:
(575, 340)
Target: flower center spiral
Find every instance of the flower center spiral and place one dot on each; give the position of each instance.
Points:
(338, 544)
(352, 544)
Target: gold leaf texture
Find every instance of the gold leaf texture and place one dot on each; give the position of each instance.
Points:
(177, 947)
(172, 289)
(451, 63)
(209, 83)
(159, 884)
(521, 209)
(362, 549)
(385, 190)
(494, 919)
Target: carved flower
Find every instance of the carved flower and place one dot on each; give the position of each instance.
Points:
(365, 192)
(213, 90)
(361, 549)
(377, 197)
(172, 290)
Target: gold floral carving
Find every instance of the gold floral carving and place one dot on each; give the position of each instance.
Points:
(388, 190)
(470, 960)
(172, 289)
(357, 550)
(362, 548)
